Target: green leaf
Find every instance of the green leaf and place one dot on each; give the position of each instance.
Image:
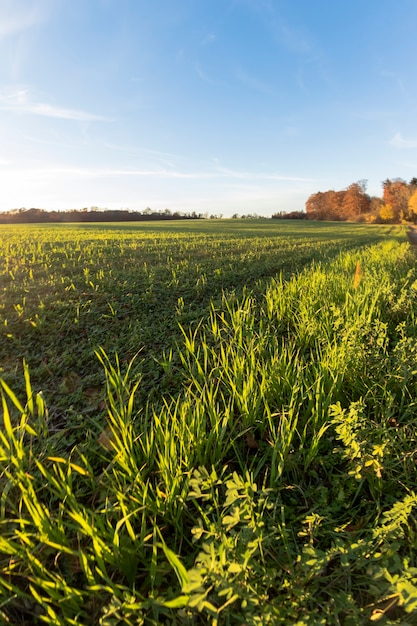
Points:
(176, 603)
(176, 564)
(234, 568)
(408, 593)
(12, 396)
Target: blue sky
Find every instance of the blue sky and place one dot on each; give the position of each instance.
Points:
(217, 106)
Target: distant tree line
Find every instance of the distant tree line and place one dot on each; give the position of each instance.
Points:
(398, 204)
(292, 215)
(41, 216)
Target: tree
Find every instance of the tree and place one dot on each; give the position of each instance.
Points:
(356, 201)
(334, 204)
(353, 202)
(387, 213)
(315, 203)
(375, 204)
(412, 206)
(339, 205)
(325, 205)
(396, 194)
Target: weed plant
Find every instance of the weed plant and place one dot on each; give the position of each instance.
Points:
(276, 484)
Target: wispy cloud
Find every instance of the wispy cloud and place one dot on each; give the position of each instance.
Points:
(246, 175)
(253, 82)
(208, 39)
(21, 102)
(71, 172)
(373, 115)
(158, 173)
(291, 131)
(203, 75)
(395, 78)
(294, 37)
(165, 158)
(17, 16)
(398, 141)
(221, 173)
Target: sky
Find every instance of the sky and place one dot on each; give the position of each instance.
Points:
(213, 106)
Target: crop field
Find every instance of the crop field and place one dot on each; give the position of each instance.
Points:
(208, 422)
(69, 290)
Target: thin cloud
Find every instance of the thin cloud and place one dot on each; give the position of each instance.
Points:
(80, 172)
(371, 115)
(295, 38)
(20, 102)
(167, 158)
(208, 39)
(16, 17)
(203, 75)
(245, 175)
(253, 83)
(97, 172)
(398, 141)
(154, 173)
(396, 79)
(291, 131)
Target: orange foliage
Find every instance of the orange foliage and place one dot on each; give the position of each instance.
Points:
(339, 205)
(397, 194)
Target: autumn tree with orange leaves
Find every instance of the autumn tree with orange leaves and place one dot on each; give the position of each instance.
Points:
(398, 203)
(339, 205)
(356, 201)
(396, 194)
(412, 205)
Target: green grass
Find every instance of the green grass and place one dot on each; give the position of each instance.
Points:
(254, 463)
(68, 290)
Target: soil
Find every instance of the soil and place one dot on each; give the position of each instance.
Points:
(412, 235)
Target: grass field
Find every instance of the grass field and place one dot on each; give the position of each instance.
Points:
(68, 290)
(208, 422)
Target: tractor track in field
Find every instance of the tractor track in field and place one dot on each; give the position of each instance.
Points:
(412, 235)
